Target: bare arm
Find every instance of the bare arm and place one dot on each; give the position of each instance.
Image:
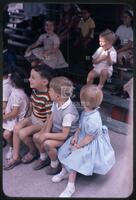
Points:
(11, 115)
(34, 45)
(58, 136)
(4, 106)
(125, 47)
(86, 140)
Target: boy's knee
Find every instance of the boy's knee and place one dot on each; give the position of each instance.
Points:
(16, 129)
(47, 145)
(22, 134)
(35, 137)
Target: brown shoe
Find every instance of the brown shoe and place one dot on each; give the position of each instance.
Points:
(39, 164)
(52, 171)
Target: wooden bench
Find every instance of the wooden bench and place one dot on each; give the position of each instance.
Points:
(120, 106)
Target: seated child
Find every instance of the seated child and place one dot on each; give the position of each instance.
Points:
(103, 59)
(125, 34)
(49, 53)
(39, 113)
(63, 123)
(89, 150)
(16, 109)
(7, 87)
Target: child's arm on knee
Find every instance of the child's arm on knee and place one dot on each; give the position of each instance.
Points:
(58, 136)
(11, 115)
(86, 140)
(48, 124)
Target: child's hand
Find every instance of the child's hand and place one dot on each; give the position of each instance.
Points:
(74, 140)
(41, 139)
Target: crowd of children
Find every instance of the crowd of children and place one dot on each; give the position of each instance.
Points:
(48, 122)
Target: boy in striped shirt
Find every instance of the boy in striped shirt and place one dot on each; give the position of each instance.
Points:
(40, 110)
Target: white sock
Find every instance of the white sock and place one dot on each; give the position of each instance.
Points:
(71, 185)
(63, 171)
(43, 156)
(54, 164)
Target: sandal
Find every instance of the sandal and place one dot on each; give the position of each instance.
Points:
(29, 157)
(12, 163)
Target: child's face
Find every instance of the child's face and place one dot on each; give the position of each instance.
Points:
(126, 19)
(36, 81)
(104, 43)
(49, 27)
(53, 95)
(85, 14)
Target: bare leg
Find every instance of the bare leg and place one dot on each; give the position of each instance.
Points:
(90, 78)
(16, 138)
(8, 137)
(103, 77)
(26, 132)
(50, 147)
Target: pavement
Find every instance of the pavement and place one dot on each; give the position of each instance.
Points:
(23, 181)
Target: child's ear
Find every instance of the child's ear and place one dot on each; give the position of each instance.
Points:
(45, 82)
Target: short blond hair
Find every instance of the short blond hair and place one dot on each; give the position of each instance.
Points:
(108, 35)
(91, 96)
(62, 86)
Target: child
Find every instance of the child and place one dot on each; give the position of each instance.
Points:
(89, 150)
(125, 34)
(40, 111)
(63, 121)
(103, 59)
(7, 87)
(16, 108)
(48, 54)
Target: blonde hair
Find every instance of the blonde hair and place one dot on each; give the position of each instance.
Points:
(62, 86)
(91, 96)
(108, 35)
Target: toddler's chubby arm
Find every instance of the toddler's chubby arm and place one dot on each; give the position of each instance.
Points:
(13, 114)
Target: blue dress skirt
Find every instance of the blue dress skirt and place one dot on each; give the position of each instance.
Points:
(97, 156)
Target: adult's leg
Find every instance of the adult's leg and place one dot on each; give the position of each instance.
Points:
(91, 75)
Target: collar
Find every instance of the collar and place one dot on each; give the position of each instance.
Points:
(65, 105)
(5, 81)
(91, 111)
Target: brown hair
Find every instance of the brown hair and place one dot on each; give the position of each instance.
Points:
(91, 96)
(62, 86)
(108, 35)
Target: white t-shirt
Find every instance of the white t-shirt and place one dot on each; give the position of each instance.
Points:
(125, 34)
(7, 88)
(101, 52)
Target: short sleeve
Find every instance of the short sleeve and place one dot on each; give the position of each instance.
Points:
(16, 100)
(113, 55)
(91, 24)
(6, 93)
(56, 42)
(40, 39)
(91, 128)
(97, 53)
(68, 119)
(118, 31)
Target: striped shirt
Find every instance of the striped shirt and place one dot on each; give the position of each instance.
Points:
(41, 104)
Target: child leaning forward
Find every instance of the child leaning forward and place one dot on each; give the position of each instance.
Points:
(62, 124)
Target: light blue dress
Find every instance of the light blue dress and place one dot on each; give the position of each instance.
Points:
(97, 156)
